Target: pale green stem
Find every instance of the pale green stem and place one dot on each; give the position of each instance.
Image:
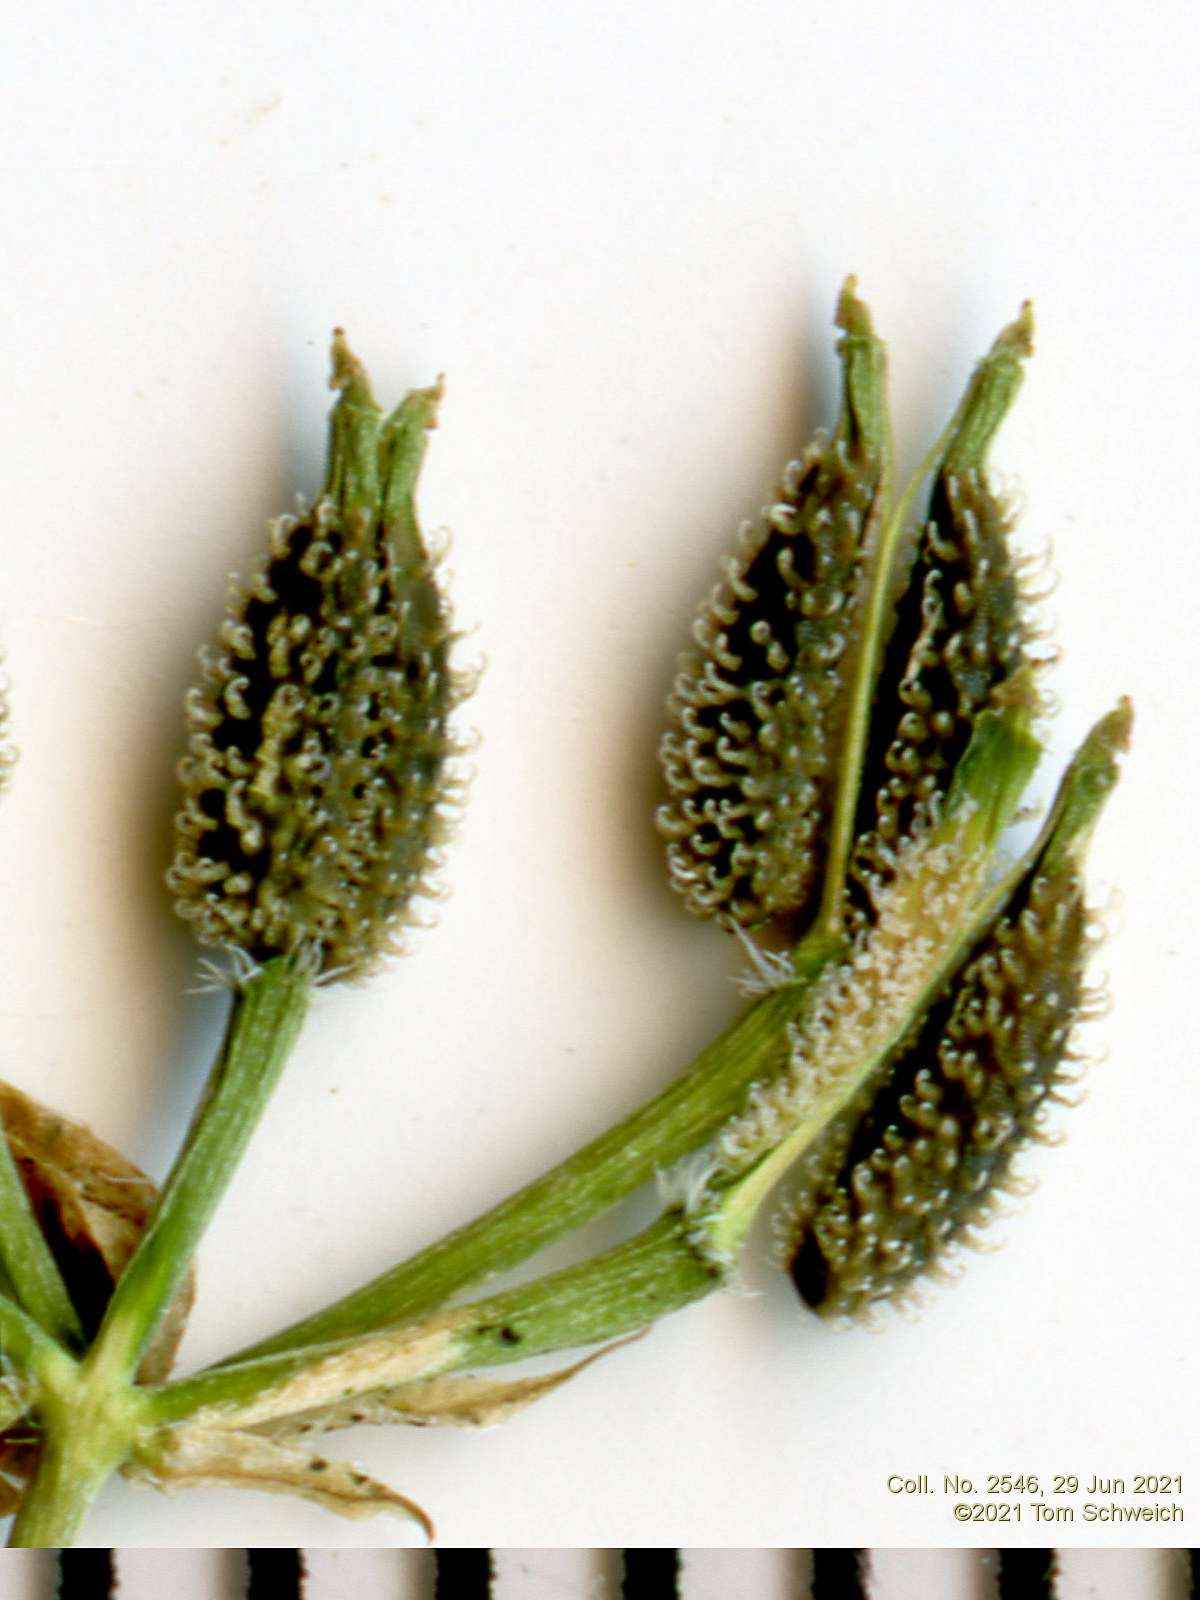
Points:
(676, 1122)
(619, 1292)
(31, 1268)
(267, 1015)
(88, 1412)
(268, 1011)
(24, 1342)
(86, 1434)
(69, 1475)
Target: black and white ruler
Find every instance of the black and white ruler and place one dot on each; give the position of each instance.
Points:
(656, 1574)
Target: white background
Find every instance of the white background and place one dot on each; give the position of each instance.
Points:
(619, 229)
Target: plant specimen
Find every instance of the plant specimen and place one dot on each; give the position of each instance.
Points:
(848, 745)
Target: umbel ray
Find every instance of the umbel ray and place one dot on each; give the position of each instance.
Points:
(848, 744)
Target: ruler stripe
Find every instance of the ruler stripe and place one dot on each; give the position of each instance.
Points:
(650, 1574)
(837, 1575)
(595, 1574)
(1025, 1574)
(462, 1574)
(274, 1575)
(85, 1574)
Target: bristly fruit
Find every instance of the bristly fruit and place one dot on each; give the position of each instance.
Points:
(757, 714)
(315, 783)
(961, 628)
(926, 1162)
(846, 754)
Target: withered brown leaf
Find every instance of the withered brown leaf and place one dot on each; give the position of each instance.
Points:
(92, 1205)
(205, 1457)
